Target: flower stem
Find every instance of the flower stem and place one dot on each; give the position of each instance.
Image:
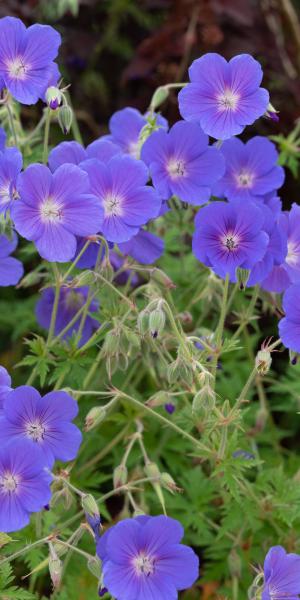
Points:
(55, 304)
(46, 135)
(11, 122)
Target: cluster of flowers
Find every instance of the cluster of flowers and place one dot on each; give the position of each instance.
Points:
(34, 431)
(105, 189)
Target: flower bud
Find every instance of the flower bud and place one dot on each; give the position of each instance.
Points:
(94, 523)
(90, 506)
(65, 118)
(120, 476)
(158, 399)
(95, 416)
(160, 277)
(234, 564)
(204, 401)
(293, 357)
(94, 566)
(261, 419)
(159, 96)
(170, 407)
(242, 276)
(157, 321)
(263, 361)
(272, 113)
(111, 344)
(143, 322)
(168, 482)
(152, 470)
(53, 97)
(85, 278)
(55, 567)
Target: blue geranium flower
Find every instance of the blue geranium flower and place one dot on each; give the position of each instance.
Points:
(282, 575)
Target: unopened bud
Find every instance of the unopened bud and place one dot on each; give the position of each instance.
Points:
(159, 96)
(111, 345)
(143, 322)
(94, 566)
(120, 476)
(152, 470)
(242, 277)
(272, 113)
(65, 118)
(168, 482)
(185, 318)
(160, 277)
(90, 506)
(159, 399)
(261, 419)
(180, 370)
(53, 97)
(234, 563)
(293, 357)
(55, 567)
(204, 401)
(263, 362)
(157, 321)
(85, 278)
(96, 415)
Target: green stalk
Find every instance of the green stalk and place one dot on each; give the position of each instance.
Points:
(46, 135)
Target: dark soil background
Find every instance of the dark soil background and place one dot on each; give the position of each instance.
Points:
(116, 52)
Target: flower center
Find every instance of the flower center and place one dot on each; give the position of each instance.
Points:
(17, 69)
(176, 168)
(36, 431)
(9, 482)
(244, 179)
(5, 194)
(228, 100)
(74, 300)
(112, 205)
(144, 565)
(51, 211)
(293, 254)
(134, 149)
(230, 241)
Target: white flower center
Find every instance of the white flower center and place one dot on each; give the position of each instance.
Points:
(244, 179)
(35, 430)
(144, 565)
(51, 211)
(293, 254)
(112, 206)
(5, 193)
(9, 482)
(17, 69)
(176, 168)
(230, 241)
(228, 100)
(134, 149)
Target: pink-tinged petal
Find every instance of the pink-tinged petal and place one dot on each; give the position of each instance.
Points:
(211, 71)
(34, 184)
(245, 74)
(11, 271)
(42, 43)
(56, 244)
